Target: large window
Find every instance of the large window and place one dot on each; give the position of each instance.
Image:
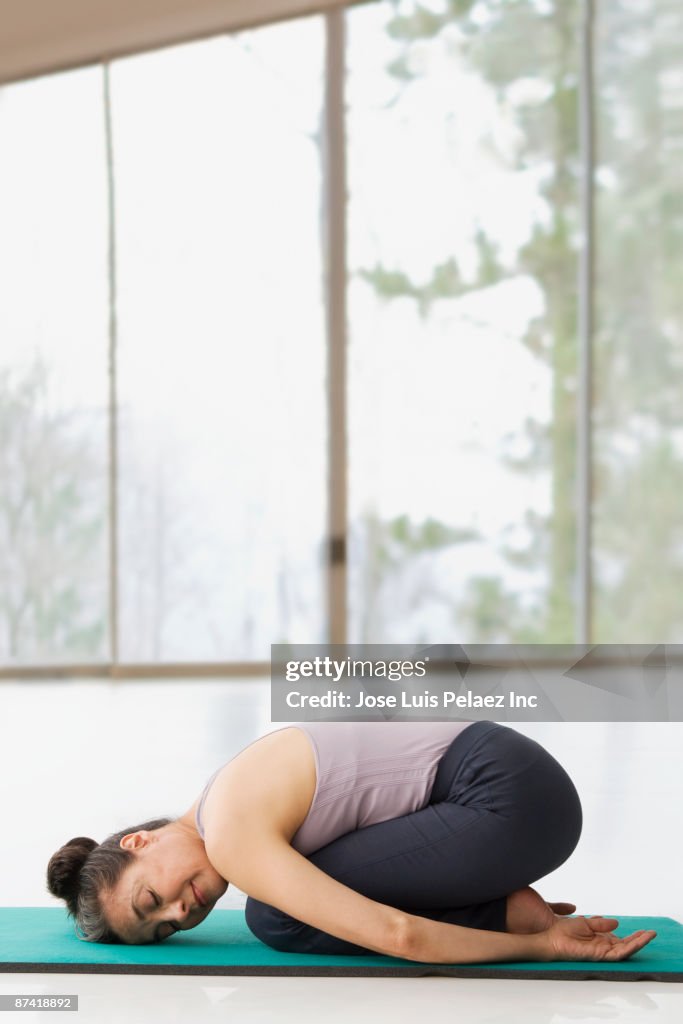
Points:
(53, 381)
(221, 345)
(170, 456)
(463, 344)
(638, 547)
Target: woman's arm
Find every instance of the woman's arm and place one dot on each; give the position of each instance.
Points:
(569, 938)
(263, 864)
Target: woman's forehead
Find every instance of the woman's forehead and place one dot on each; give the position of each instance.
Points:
(118, 905)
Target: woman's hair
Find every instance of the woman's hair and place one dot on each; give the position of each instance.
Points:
(82, 870)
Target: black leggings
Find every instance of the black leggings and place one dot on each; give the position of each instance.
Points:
(502, 814)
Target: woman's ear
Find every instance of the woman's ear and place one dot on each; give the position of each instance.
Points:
(134, 840)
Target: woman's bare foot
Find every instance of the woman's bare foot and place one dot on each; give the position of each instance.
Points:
(528, 912)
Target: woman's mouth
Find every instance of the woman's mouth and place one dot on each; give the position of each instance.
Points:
(198, 895)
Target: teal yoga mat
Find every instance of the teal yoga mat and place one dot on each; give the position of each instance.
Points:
(42, 939)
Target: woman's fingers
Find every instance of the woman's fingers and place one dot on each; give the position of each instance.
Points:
(592, 938)
(630, 944)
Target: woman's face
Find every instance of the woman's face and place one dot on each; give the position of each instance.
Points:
(170, 885)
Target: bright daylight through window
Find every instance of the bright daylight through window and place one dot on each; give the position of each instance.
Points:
(190, 200)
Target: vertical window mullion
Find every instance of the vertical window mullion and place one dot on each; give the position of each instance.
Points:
(586, 325)
(334, 217)
(112, 355)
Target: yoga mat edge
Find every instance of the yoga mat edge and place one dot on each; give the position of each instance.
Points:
(42, 940)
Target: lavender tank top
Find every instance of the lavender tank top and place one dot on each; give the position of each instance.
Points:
(366, 772)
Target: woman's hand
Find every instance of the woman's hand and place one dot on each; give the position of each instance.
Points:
(591, 938)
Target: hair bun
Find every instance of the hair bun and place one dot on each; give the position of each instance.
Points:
(65, 866)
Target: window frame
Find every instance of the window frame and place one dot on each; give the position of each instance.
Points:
(334, 186)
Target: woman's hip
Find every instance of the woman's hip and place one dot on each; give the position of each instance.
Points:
(494, 767)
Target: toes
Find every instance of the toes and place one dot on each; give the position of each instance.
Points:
(562, 908)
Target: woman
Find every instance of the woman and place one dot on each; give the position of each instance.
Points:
(417, 840)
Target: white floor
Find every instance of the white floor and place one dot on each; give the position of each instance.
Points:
(86, 758)
(175, 1000)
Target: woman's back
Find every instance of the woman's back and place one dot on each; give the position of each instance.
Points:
(365, 772)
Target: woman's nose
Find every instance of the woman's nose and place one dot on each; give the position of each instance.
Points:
(180, 909)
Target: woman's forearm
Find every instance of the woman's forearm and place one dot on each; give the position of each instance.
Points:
(436, 942)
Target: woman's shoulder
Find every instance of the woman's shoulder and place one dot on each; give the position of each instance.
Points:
(270, 783)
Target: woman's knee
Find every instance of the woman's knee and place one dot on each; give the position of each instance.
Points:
(574, 814)
(562, 824)
(272, 926)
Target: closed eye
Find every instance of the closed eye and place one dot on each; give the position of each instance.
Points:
(158, 935)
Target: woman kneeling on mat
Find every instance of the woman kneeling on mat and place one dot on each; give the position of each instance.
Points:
(417, 840)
